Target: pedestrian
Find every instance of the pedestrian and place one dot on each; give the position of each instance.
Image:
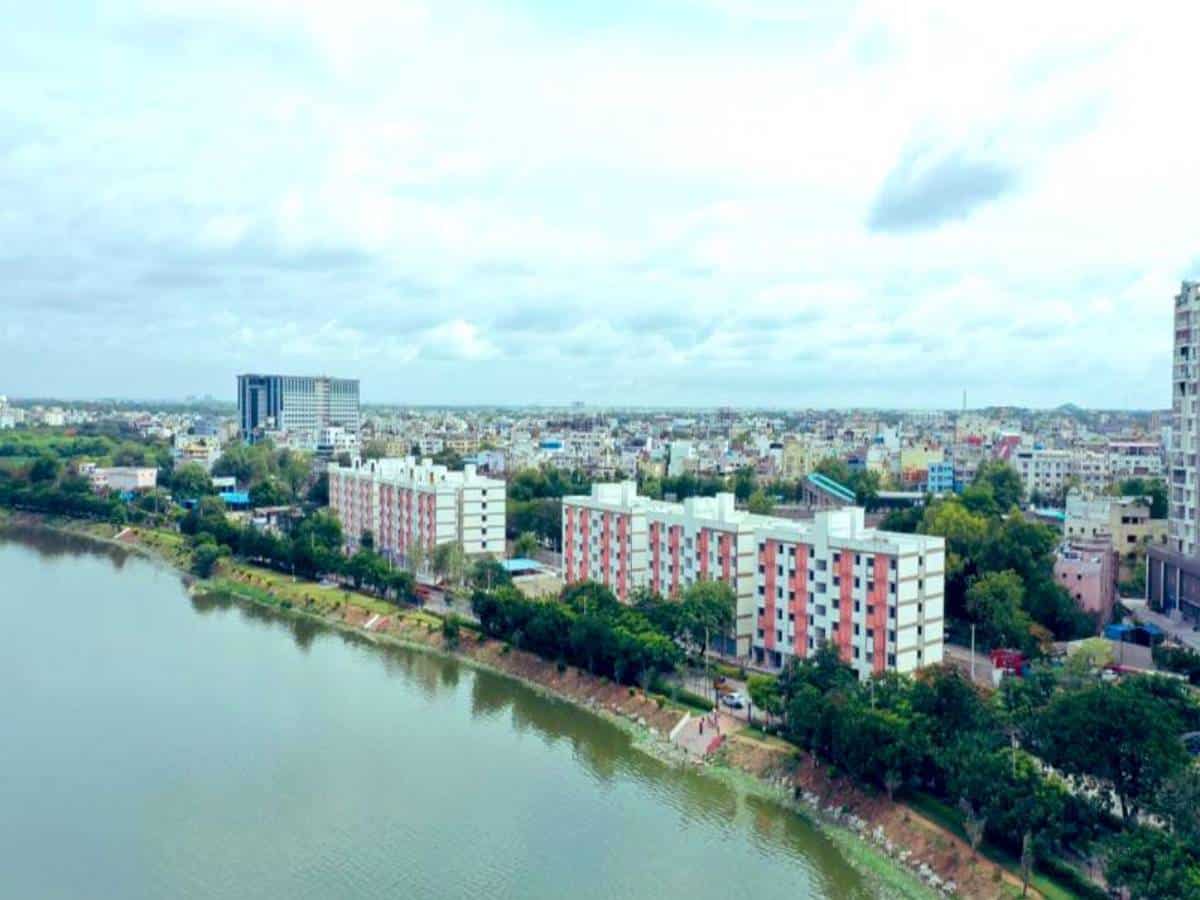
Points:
(701, 726)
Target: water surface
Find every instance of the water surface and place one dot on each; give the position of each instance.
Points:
(153, 745)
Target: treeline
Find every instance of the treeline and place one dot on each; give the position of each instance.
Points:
(313, 548)
(937, 733)
(999, 565)
(71, 497)
(589, 628)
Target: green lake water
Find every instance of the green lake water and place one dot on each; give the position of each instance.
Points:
(157, 746)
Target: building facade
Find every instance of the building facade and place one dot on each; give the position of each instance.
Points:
(1087, 568)
(411, 506)
(1173, 572)
(296, 407)
(877, 596)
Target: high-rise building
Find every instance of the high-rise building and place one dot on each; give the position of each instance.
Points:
(875, 595)
(1173, 572)
(297, 407)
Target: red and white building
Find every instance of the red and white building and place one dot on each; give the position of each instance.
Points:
(878, 596)
(406, 504)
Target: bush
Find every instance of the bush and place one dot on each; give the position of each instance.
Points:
(450, 630)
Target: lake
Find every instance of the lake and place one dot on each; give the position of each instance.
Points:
(156, 745)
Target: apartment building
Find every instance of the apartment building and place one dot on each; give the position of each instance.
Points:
(1173, 572)
(877, 595)
(1043, 472)
(412, 506)
(1134, 459)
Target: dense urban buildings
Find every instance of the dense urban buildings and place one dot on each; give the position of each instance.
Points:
(295, 409)
(877, 596)
(411, 506)
(1173, 581)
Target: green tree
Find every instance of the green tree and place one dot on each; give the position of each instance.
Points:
(451, 630)
(191, 481)
(1120, 737)
(1004, 481)
(449, 562)
(269, 492)
(525, 545)
(205, 558)
(44, 470)
(994, 602)
(760, 503)
(1154, 488)
(1151, 865)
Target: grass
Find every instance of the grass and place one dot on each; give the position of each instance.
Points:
(1049, 886)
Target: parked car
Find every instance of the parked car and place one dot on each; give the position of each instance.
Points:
(734, 700)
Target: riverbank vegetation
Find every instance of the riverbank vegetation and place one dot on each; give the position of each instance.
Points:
(1001, 763)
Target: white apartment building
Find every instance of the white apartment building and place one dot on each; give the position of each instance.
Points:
(1134, 459)
(120, 478)
(877, 595)
(1045, 472)
(1184, 509)
(406, 503)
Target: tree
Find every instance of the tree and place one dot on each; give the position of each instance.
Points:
(994, 601)
(1026, 861)
(487, 574)
(1004, 481)
(1154, 488)
(974, 823)
(191, 481)
(1151, 865)
(451, 628)
(374, 449)
(402, 585)
(44, 470)
(525, 545)
(708, 608)
(367, 540)
(1120, 737)
(205, 558)
(1178, 803)
(449, 561)
(760, 503)
(415, 556)
(269, 492)
(764, 693)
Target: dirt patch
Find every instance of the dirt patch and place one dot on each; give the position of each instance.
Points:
(945, 853)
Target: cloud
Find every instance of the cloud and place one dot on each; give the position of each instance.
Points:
(926, 189)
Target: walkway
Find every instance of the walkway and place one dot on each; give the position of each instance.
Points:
(704, 734)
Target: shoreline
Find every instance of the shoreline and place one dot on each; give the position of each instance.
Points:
(767, 768)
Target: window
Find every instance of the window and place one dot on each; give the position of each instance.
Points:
(779, 636)
(761, 590)
(856, 653)
(871, 587)
(762, 570)
(857, 559)
(779, 569)
(760, 633)
(857, 630)
(892, 564)
(891, 659)
(857, 581)
(778, 615)
(891, 636)
(791, 617)
(891, 612)
(762, 610)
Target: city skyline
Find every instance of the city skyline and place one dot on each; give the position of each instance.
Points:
(689, 205)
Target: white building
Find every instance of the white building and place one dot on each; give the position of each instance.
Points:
(336, 440)
(121, 478)
(407, 504)
(1044, 472)
(878, 596)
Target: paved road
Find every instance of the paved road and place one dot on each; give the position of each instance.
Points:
(960, 657)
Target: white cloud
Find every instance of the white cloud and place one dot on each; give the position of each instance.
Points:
(347, 184)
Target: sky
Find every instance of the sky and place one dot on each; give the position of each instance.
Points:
(653, 202)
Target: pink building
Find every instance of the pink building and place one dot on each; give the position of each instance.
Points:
(1088, 570)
